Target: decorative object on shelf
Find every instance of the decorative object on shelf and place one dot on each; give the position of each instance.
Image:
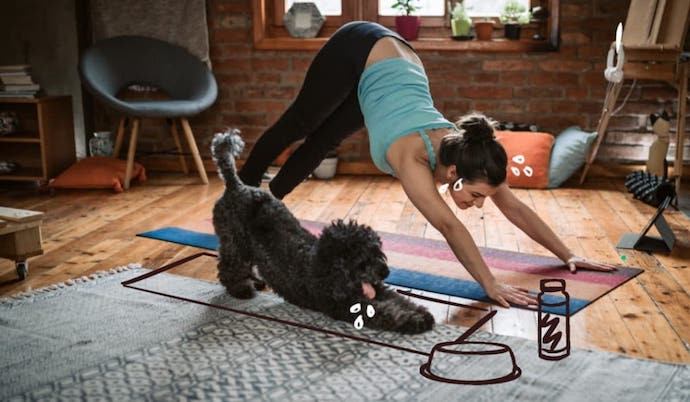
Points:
(513, 16)
(484, 29)
(9, 122)
(539, 16)
(327, 167)
(407, 25)
(101, 144)
(460, 22)
(303, 20)
(7, 167)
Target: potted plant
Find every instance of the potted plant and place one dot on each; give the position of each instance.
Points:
(407, 25)
(460, 22)
(484, 28)
(512, 17)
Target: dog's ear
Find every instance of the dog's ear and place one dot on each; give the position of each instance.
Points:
(346, 242)
(351, 248)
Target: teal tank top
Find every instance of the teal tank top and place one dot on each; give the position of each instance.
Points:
(395, 101)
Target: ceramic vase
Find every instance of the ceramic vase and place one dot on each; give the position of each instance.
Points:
(101, 144)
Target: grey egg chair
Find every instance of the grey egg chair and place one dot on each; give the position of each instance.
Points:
(113, 64)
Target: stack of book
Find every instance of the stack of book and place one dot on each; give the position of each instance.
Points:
(16, 82)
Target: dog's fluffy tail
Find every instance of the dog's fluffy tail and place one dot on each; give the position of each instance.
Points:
(225, 148)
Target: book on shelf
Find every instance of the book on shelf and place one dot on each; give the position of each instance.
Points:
(16, 79)
(15, 68)
(20, 88)
(19, 94)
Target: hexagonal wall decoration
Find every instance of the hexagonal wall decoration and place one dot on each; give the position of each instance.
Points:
(303, 20)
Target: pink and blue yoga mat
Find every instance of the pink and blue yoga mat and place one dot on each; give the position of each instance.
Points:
(430, 265)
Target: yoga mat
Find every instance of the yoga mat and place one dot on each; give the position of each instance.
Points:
(430, 265)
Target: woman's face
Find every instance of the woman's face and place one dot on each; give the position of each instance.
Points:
(472, 194)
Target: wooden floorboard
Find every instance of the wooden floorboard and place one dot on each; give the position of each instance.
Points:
(649, 317)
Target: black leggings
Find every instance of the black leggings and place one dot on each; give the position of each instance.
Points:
(325, 112)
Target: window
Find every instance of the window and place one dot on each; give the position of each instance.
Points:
(327, 7)
(427, 8)
(270, 33)
(484, 8)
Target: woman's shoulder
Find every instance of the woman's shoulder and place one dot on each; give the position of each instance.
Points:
(407, 150)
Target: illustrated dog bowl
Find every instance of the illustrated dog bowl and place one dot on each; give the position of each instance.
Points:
(471, 363)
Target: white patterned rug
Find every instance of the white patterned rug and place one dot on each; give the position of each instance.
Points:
(96, 340)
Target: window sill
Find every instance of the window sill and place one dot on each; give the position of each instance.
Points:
(438, 44)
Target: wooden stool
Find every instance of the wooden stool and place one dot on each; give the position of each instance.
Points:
(20, 237)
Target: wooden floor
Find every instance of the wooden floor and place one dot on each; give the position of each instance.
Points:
(649, 317)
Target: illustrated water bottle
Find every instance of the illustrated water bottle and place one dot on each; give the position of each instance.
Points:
(553, 330)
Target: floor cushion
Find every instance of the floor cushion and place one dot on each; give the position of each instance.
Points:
(570, 149)
(528, 157)
(97, 172)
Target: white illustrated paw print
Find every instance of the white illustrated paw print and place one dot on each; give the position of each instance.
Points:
(526, 170)
(359, 321)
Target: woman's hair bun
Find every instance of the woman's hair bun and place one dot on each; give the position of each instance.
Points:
(476, 128)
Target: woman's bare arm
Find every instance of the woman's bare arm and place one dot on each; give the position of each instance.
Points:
(418, 183)
(529, 222)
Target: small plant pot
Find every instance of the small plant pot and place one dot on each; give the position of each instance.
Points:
(460, 27)
(484, 30)
(326, 169)
(512, 31)
(408, 26)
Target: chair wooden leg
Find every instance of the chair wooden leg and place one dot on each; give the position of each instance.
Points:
(176, 138)
(130, 153)
(195, 151)
(118, 138)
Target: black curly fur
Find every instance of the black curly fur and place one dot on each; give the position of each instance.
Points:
(324, 274)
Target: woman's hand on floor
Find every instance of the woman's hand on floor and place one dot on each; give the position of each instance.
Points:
(505, 294)
(576, 262)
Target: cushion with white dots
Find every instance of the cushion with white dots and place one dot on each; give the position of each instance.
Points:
(528, 157)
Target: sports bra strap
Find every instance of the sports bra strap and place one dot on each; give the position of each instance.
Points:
(429, 149)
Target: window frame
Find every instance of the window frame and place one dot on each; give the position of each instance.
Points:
(270, 34)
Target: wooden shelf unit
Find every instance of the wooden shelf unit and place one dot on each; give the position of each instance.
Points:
(43, 146)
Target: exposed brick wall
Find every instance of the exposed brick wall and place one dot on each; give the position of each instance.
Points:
(553, 90)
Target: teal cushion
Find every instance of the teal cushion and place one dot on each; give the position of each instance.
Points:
(568, 154)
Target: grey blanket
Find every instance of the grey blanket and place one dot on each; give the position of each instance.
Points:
(182, 22)
(96, 339)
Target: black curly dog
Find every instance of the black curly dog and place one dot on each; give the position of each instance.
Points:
(325, 274)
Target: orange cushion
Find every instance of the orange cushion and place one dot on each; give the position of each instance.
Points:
(528, 157)
(97, 172)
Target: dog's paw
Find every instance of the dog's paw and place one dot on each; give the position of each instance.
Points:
(259, 284)
(244, 289)
(417, 322)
